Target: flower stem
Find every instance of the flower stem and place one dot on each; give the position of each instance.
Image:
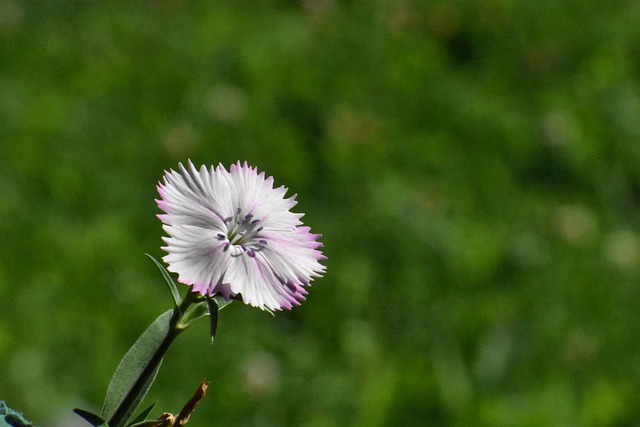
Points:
(134, 396)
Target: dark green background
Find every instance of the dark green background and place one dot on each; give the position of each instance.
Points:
(474, 166)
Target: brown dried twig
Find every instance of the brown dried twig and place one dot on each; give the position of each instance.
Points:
(190, 406)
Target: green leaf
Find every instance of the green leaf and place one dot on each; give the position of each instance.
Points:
(143, 415)
(213, 317)
(221, 302)
(134, 363)
(91, 418)
(167, 278)
(197, 311)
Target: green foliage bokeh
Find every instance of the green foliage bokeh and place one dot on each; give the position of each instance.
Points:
(474, 167)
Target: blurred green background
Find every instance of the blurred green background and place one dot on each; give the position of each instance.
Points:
(474, 166)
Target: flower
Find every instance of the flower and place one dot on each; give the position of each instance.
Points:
(231, 233)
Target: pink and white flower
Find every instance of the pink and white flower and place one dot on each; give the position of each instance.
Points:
(231, 233)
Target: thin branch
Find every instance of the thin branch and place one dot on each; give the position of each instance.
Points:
(190, 406)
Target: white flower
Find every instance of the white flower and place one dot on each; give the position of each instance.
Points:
(232, 234)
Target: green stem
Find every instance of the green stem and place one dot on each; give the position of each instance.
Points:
(132, 399)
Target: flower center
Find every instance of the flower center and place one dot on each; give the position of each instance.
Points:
(243, 235)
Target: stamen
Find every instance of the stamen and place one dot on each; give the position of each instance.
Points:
(242, 235)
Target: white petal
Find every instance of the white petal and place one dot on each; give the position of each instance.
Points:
(198, 204)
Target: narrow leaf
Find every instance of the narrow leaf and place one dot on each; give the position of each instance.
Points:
(140, 397)
(221, 302)
(167, 278)
(91, 418)
(143, 415)
(213, 317)
(195, 312)
(134, 363)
